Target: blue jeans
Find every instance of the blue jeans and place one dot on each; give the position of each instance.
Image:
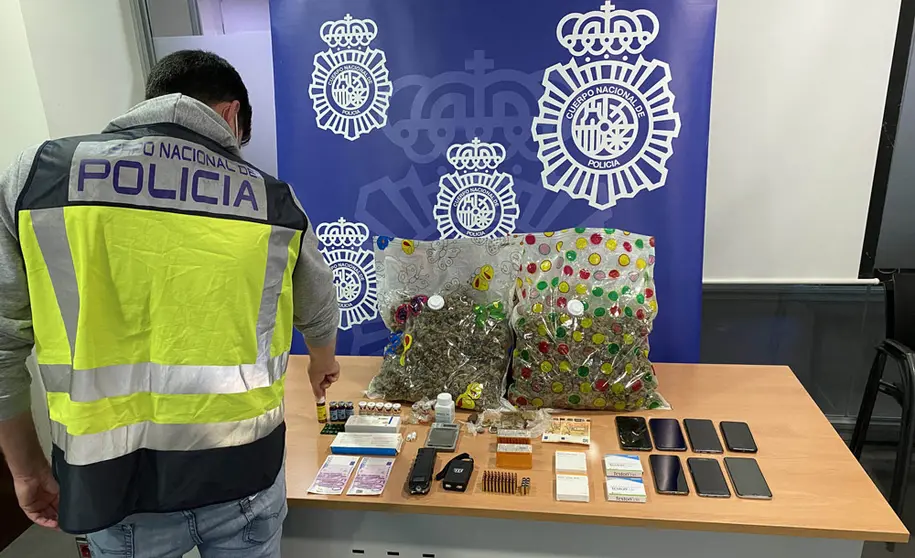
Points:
(248, 528)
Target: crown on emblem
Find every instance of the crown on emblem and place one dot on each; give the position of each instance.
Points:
(476, 155)
(349, 32)
(607, 31)
(342, 233)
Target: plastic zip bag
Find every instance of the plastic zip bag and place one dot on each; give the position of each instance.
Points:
(458, 345)
(586, 302)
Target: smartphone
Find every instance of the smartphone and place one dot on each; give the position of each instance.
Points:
(666, 434)
(702, 436)
(707, 477)
(668, 474)
(633, 433)
(747, 479)
(737, 436)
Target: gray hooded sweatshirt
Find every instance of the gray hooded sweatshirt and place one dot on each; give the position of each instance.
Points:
(315, 301)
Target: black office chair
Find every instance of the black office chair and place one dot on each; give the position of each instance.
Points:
(900, 336)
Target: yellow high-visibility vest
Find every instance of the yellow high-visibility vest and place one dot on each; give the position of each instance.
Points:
(160, 278)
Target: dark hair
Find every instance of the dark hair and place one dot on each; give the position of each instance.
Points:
(204, 76)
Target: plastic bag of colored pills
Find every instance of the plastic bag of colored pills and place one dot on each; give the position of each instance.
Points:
(446, 304)
(585, 304)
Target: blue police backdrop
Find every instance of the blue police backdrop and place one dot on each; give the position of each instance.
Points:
(597, 114)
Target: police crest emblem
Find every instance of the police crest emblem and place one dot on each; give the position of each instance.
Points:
(476, 200)
(606, 119)
(354, 270)
(350, 88)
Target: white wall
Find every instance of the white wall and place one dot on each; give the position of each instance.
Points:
(797, 104)
(87, 62)
(22, 118)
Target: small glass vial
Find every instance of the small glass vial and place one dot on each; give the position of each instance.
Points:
(397, 408)
(322, 410)
(388, 407)
(333, 411)
(371, 407)
(362, 407)
(350, 411)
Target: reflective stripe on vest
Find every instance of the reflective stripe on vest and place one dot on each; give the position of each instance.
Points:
(111, 444)
(160, 280)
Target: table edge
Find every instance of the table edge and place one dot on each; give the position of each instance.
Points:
(608, 520)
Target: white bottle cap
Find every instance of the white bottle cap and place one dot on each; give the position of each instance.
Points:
(444, 398)
(436, 302)
(576, 308)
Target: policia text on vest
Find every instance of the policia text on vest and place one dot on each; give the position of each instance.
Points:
(159, 270)
(117, 171)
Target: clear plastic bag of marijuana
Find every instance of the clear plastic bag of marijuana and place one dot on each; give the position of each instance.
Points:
(446, 304)
(586, 302)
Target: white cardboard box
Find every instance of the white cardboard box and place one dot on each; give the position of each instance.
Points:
(573, 462)
(572, 488)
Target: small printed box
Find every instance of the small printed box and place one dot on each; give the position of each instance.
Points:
(626, 490)
(347, 443)
(622, 465)
(373, 424)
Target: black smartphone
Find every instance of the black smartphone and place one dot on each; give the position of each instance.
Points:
(633, 433)
(668, 474)
(666, 434)
(708, 478)
(737, 436)
(747, 479)
(702, 436)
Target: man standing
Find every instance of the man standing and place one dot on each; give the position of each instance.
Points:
(158, 276)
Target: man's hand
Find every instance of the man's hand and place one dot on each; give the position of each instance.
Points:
(39, 496)
(322, 375)
(36, 489)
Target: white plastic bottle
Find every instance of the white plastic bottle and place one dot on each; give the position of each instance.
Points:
(444, 408)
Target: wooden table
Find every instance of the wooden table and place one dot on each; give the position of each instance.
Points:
(820, 491)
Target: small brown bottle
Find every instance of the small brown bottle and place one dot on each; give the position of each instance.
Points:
(322, 410)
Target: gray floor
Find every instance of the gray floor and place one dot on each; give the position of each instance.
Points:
(37, 542)
(41, 543)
